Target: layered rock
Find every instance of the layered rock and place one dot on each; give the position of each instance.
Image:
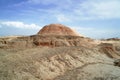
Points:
(60, 35)
(53, 35)
(49, 41)
(57, 29)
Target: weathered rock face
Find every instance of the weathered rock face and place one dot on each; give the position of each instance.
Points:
(48, 40)
(59, 41)
(109, 49)
(57, 29)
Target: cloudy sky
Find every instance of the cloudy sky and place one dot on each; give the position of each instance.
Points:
(92, 18)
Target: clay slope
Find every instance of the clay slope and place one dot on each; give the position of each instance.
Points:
(49, 63)
(85, 72)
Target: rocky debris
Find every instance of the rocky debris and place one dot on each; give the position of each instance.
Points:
(109, 49)
(117, 62)
(18, 42)
(117, 48)
(57, 29)
(113, 39)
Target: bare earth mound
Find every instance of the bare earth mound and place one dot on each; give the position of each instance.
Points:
(57, 29)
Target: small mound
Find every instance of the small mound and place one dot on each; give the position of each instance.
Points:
(57, 29)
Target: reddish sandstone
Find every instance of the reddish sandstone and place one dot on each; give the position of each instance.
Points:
(57, 29)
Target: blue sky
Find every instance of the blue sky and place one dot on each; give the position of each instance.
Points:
(91, 18)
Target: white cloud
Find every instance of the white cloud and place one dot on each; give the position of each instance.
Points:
(48, 2)
(83, 28)
(91, 10)
(104, 9)
(74, 10)
(45, 2)
(18, 24)
(94, 32)
(62, 18)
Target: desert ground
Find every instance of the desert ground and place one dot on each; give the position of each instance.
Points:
(58, 57)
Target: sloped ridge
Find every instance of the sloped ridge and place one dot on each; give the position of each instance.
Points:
(57, 29)
(110, 50)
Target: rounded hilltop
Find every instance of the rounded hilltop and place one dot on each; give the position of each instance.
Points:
(57, 29)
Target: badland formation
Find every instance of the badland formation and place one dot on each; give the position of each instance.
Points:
(57, 52)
